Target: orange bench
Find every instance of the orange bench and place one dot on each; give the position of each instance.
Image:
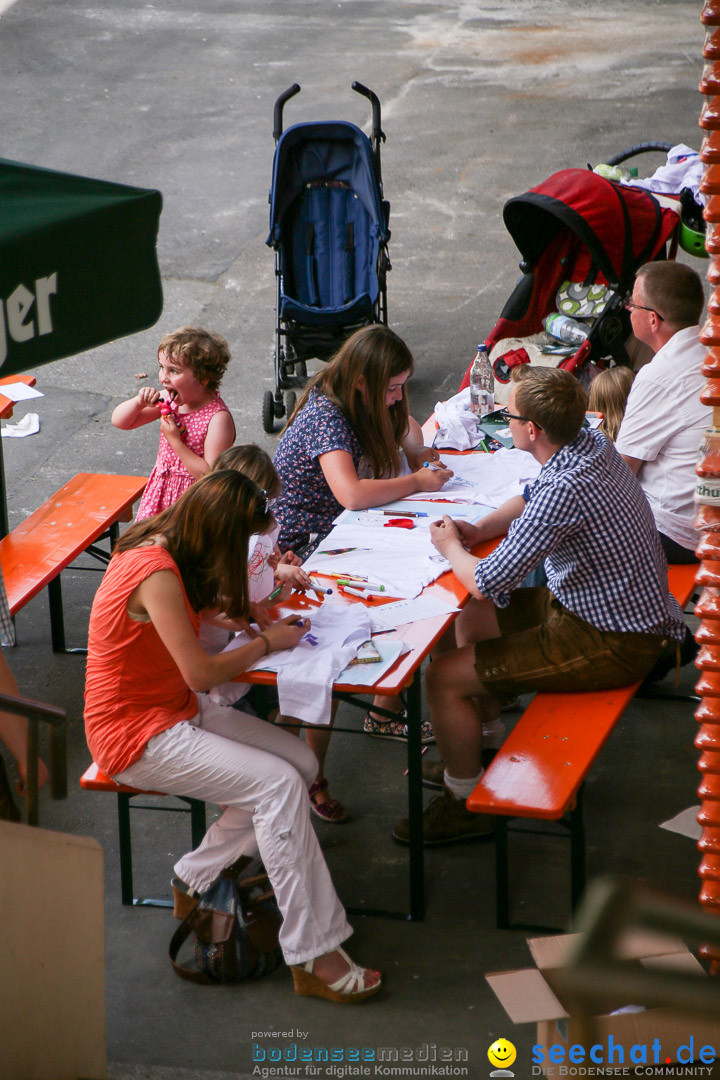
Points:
(541, 767)
(84, 512)
(95, 780)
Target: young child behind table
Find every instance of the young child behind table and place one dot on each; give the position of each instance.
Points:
(195, 422)
(266, 567)
(608, 395)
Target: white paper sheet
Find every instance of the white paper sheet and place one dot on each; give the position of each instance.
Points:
(404, 561)
(369, 674)
(485, 479)
(19, 391)
(389, 616)
(685, 823)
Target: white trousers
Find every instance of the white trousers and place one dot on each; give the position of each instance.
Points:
(261, 774)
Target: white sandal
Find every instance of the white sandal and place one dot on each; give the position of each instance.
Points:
(349, 988)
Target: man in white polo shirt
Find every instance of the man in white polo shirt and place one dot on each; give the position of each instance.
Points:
(664, 420)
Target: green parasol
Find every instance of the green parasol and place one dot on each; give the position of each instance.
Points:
(78, 264)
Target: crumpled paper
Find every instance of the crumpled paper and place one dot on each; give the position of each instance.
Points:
(29, 425)
(457, 425)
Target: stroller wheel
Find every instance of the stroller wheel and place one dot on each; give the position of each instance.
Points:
(268, 412)
(290, 402)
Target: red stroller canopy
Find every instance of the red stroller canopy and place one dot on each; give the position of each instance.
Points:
(579, 226)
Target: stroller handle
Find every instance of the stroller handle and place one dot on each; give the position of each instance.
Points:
(279, 106)
(372, 97)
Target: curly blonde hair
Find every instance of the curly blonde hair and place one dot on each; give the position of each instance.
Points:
(206, 354)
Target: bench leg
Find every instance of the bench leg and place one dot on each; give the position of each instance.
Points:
(577, 851)
(57, 618)
(126, 873)
(415, 802)
(502, 873)
(197, 821)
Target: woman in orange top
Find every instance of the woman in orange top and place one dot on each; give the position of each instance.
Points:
(149, 725)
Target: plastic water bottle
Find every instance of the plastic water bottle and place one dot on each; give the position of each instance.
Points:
(566, 329)
(482, 383)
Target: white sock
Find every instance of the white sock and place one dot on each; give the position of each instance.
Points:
(461, 789)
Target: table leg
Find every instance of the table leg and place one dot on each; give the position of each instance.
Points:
(415, 801)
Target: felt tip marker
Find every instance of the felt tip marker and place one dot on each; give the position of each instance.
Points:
(399, 513)
(369, 586)
(275, 592)
(339, 574)
(356, 592)
(432, 465)
(317, 588)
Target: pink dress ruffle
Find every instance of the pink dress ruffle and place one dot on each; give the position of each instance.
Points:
(169, 478)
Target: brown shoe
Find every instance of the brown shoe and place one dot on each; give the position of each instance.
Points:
(433, 774)
(447, 820)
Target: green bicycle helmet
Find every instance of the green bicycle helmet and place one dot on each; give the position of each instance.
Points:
(691, 236)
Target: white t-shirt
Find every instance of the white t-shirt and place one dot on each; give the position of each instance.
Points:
(261, 579)
(663, 424)
(261, 576)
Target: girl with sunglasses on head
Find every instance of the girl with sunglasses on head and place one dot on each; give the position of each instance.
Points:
(148, 724)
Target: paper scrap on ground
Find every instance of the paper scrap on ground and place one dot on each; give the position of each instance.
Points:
(305, 674)
(19, 391)
(685, 823)
(29, 425)
(485, 479)
(369, 674)
(389, 616)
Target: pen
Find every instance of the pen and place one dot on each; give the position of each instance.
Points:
(338, 574)
(431, 465)
(356, 592)
(398, 513)
(341, 551)
(318, 588)
(370, 586)
(275, 592)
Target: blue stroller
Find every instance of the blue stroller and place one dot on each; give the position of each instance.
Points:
(329, 230)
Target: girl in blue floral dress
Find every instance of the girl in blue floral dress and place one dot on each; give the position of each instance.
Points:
(342, 449)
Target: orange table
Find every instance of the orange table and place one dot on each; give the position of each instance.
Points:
(403, 676)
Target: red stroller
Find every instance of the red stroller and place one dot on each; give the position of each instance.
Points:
(577, 226)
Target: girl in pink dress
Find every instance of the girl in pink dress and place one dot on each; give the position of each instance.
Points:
(195, 423)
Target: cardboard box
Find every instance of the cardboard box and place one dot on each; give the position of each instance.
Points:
(529, 996)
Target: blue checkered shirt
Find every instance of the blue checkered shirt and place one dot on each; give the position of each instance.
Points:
(587, 518)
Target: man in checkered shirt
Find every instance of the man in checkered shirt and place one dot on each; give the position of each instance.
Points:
(602, 620)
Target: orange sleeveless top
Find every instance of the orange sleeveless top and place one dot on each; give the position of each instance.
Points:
(133, 687)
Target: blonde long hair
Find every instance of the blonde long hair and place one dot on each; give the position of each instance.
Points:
(376, 354)
(608, 395)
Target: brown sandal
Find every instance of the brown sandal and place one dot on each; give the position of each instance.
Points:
(331, 810)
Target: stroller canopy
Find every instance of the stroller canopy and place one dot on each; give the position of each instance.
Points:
(338, 151)
(579, 226)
